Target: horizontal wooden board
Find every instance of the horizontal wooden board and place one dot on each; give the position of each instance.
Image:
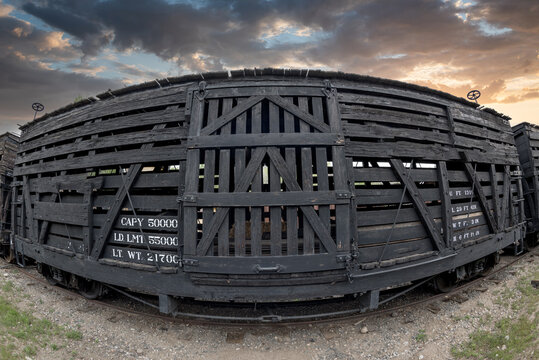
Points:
(372, 174)
(397, 250)
(129, 138)
(155, 202)
(368, 196)
(248, 199)
(351, 98)
(169, 115)
(406, 149)
(156, 154)
(80, 182)
(353, 113)
(75, 214)
(381, 132)
(67, 244)
(253, 140)
(264, 89)
(66, 230)
(152, 98)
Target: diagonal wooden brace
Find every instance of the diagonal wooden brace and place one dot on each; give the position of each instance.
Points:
(308, 211)
(241, 186)
(119, 199)
(419, 203)
(480, 193)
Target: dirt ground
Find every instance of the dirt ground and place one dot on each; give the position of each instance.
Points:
(426, 332)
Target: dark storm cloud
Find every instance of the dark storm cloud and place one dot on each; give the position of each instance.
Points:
(357, 35)
(20, 36)
(63, 16)
(518, 15)
(26, 54)
(23, 82)
(441, 44)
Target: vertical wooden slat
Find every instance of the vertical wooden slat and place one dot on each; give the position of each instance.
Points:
(447, 218)
(535, 189)
(29, 216)
(224, 184)
(256, 212)
(340, 177)
(495, 195)
(505, 197)
(239, 168)
(535, 176)
(291, 211)
(522, 216)
(181, 191)
(322, 176)
(512, 219)
(275, 186)
(88, 198)
(14, 200)
(529, 200)
(307, 178)
(209, 169)
(191, 179)
(88, 230)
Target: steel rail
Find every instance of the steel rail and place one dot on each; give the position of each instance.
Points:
(337, 317)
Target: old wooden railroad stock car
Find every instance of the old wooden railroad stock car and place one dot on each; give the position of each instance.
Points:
(527, 142)
(8, 151)
(266, 186)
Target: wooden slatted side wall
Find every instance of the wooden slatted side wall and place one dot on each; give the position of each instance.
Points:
(103, 181)
(527, 142)
(8, 151)
(430, 139)
(245, 197)
(263, 164)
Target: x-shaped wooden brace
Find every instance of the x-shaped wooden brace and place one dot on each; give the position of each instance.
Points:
(243, 185)
(252, 101)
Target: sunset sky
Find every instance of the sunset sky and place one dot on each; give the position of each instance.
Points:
(56, 51)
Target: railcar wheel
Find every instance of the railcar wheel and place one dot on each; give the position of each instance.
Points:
(50, 279)
(490, 262)
(10, 256)
(444, 283)
(90, 289)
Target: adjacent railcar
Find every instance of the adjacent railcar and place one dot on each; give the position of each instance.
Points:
(266, 185)
(8, 151)
(527, 143)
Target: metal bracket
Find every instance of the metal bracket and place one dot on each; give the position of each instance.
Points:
(344, 258)
(343, 195)
(190, 198)
(328, 89)
(201, 93)
(190, 262)
(261, 269)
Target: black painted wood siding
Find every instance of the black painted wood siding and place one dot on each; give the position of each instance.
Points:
(393, 175)
(527, 143)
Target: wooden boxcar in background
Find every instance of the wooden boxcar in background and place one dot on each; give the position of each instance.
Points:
(8, 151)
(527, 142)
(266, 185)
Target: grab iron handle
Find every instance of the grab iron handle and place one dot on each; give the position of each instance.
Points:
(259, 269)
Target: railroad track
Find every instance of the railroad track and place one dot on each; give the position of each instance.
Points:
(204, 313)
